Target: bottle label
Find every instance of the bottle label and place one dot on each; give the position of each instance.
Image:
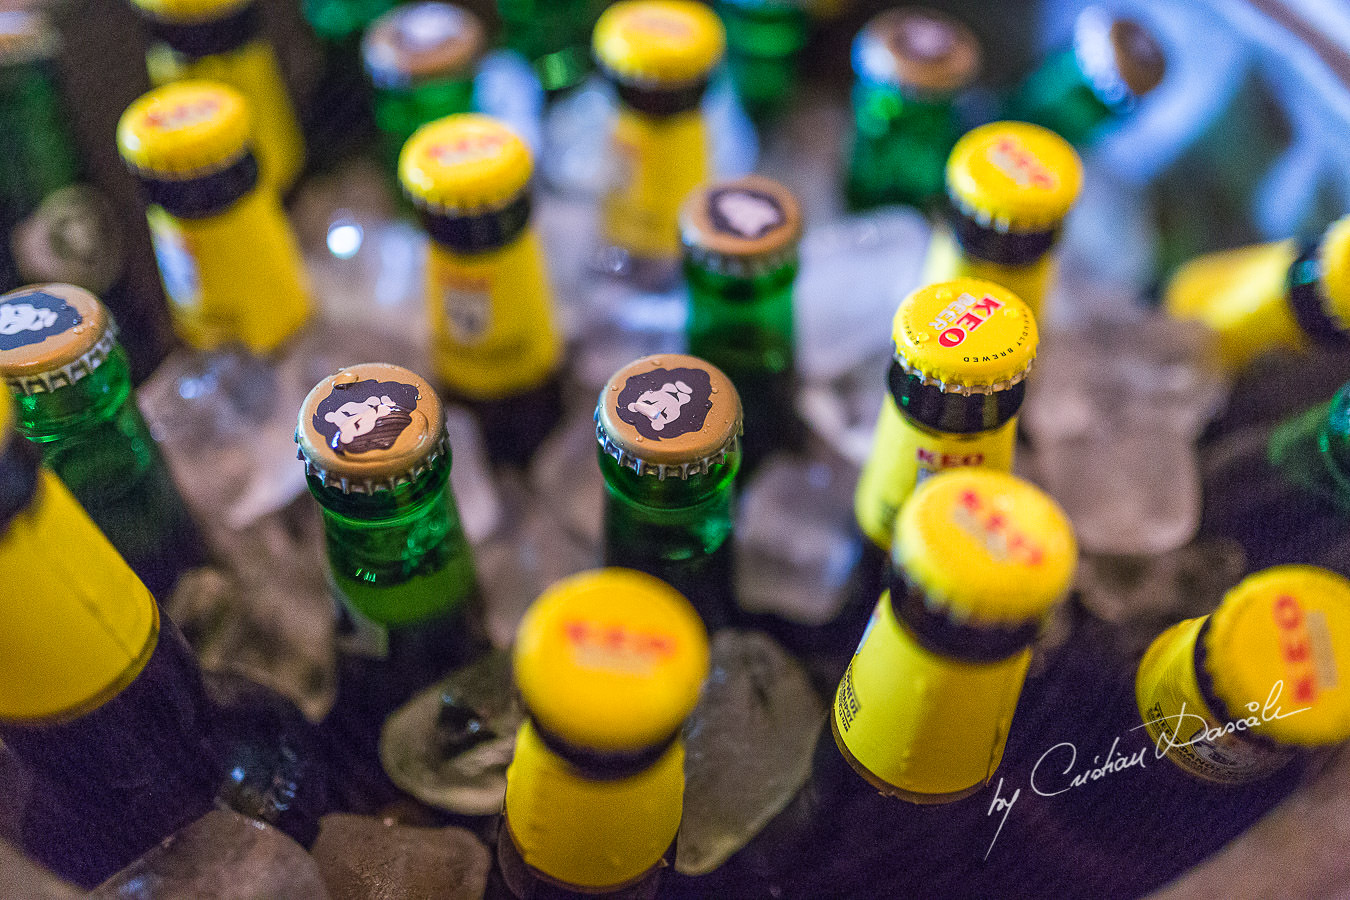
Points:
(70, 238)
(904, 454)
(919, 722)
(1182, 726)
(34, 317)
(177, 265)
(660, 162)
(492, 319)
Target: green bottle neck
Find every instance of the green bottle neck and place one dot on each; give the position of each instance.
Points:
(1312, 450)
(880, 107)
(1059, 96)
(37, 155)
(671, 494)
(76, 408)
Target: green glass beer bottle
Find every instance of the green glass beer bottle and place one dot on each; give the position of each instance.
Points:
(1113, 63)
(52, 226)
(909, 66)
(377, 458)
(495, 345)
(609, 663)
(740, 243)
(421, 59)
(764, 38)
(60, 358)
(553, 35)
(669, 431)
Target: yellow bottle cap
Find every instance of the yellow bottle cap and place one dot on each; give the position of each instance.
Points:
(185, 130)
(370, 427)
(741, 226)
(420, 41)
(1334, 255)
(1014, 176)
(464, 163)
(966, 335)
(659, 42)
(611, 660)
(1287, 626)
(668, 414)
(922, 51)
(189, 11)
(986, 545)
(51, 336)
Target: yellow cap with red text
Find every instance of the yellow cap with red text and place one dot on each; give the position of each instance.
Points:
(659, 41)
(1014, 176)
(1281, 638)
(464, 162)
(966, 334)
(1015, 545)
(185, 130)
(611, 660)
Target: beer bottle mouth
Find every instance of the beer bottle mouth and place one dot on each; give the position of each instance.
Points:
(52, 336)
(193, 135)
(669, 415)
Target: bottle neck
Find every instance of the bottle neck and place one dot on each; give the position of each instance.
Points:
(671, 493)
(1309, 303)
(950, 412)
(952, 637)
(660, 102)
(419, 497)
(198, 39)
(881, 105)
(1006, 248)
(37, 156)
(1060, 96)
(204, 197)
(735, 282)
(78, 406)
(478, 232)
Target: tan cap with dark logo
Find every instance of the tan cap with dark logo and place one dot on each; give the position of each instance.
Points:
(51, 336)
(668, 414)
(370, 427)
(749, 223)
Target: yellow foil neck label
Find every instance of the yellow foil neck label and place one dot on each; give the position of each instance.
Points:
(946, 261)
(587, 833)
(492, 322)
(920, 725)
(660, 162)
(78, 624)
(905, 453)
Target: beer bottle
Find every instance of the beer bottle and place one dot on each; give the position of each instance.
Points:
(669, 433)
(228, 259)
(659, 54)
(740, 260)
(764, 38)
(99, 696)
(377, 459)
(52, 226)
(553, 35)
(222, 40)
(60, 357)
(979, 562)
(609, 663)
(962, 351)
(1114, 61)
(421, 59)
(495, 345)
(909, 64)
(1269, 296)
(1010, 185)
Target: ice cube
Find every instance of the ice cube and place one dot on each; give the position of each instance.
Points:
(363, 858)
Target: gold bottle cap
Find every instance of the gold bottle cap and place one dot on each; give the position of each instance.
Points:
(965, 336)
(185, 130)
(741, 226)
(51, 336)
(668, 414)
(1014, 176)
(421, 41)
(1015, 546)
(370, 427)
(1119, 57)
(25, 36)
(1285, 632)
(921, 51)
(659, 42)
(184, 12)
(611, 660)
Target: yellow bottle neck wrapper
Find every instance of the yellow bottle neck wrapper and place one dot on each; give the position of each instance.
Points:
(946, 261)
(494, 332)
(587, 833)
(1183, 728)
(79, 625)
(659, 163)
(919, 725)
(905, 453)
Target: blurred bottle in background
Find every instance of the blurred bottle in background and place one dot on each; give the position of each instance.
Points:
(764, 39)
(554, 36)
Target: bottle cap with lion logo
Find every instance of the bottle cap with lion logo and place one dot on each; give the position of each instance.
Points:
(668, 414)
(465, 163)
(370, 427)
(611, 660)
(741, 227)
(51, 336)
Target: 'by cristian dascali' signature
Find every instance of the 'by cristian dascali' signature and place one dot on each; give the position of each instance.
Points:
(1115, 762)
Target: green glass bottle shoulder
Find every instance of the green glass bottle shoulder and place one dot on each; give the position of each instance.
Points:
(900, 147)
(1059, 97)
(399, 557)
